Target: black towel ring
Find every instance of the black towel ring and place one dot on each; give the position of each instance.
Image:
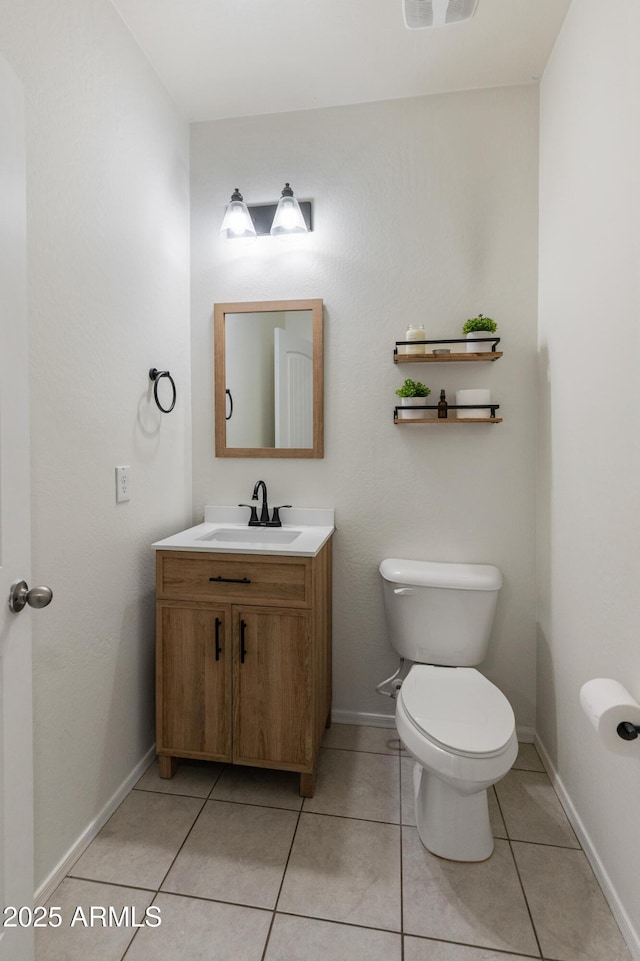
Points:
(156, 375)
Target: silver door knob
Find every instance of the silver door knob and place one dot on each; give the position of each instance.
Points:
(20, 596)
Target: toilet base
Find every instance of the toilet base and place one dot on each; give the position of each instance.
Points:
(451, 825)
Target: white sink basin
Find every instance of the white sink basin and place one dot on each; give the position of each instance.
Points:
(303, 533)
(251, 535)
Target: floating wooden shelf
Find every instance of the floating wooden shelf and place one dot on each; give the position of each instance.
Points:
(486, 355)
(491, 419)
(448, 420)
(457, 358)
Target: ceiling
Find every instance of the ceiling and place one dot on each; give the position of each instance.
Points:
(234, 58)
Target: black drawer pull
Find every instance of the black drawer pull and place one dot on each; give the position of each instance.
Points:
(218, 648)
(243, 647)
(231, 580)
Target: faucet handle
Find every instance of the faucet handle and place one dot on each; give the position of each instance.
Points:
(253, 519)
(275, 517)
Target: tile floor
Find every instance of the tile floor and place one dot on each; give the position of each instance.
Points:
(240, 868)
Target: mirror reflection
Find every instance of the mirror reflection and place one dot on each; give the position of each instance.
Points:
(268, 379)
(269, 364)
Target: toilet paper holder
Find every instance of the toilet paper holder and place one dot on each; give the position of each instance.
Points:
(628, 731)
(614, 713)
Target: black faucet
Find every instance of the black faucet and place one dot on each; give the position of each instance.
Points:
(263, 520)
(264, 513)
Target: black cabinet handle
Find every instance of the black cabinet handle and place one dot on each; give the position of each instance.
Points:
(243, 647)
(231, 580)
(218, 648)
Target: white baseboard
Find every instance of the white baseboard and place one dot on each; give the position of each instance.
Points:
(365, 720)
(629, 932)
(526, 735)
(50, 883)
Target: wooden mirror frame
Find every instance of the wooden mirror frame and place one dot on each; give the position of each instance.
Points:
(219, 346)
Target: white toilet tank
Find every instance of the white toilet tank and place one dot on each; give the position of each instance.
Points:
(440, 613)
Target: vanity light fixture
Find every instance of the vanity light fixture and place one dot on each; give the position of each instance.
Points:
(237, 219)
(437, 13)
(288, 218)
(282, 219)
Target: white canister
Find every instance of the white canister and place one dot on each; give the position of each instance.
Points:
(415, 333)
(469, 396)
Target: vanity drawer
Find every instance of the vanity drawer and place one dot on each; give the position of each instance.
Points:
(234, 578)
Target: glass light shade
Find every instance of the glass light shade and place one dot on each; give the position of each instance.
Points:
(288, 217)
(437, 13)
(237, 220)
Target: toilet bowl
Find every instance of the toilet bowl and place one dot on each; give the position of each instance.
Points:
(460, 729)
(457, 725)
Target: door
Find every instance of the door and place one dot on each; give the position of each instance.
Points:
(273, 707)
(293, 389)
(193, 666)
(16, 788)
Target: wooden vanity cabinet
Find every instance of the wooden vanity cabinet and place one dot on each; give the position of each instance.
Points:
(243, 659)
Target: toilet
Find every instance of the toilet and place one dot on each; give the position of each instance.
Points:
(456, 724)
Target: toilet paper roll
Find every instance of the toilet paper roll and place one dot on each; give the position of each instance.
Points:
(607, 703)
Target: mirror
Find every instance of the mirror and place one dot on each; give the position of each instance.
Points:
(268, 370)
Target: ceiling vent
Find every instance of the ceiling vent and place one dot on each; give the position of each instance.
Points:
(437, 13)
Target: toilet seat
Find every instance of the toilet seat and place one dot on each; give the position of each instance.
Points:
(458, 710)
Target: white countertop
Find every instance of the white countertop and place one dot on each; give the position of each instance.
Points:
(311, 529)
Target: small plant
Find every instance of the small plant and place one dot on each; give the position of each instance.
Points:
(479, 323)
(413, 388)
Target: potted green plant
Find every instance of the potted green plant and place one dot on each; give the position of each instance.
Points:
(477, 327)
(413, 394)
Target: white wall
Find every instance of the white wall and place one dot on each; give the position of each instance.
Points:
(424, 209)
(107, 181)
(590, 421)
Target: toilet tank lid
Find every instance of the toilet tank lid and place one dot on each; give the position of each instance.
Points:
(461, 577)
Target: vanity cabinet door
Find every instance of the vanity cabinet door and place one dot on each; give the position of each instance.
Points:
(193, 681)
(274, 703)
